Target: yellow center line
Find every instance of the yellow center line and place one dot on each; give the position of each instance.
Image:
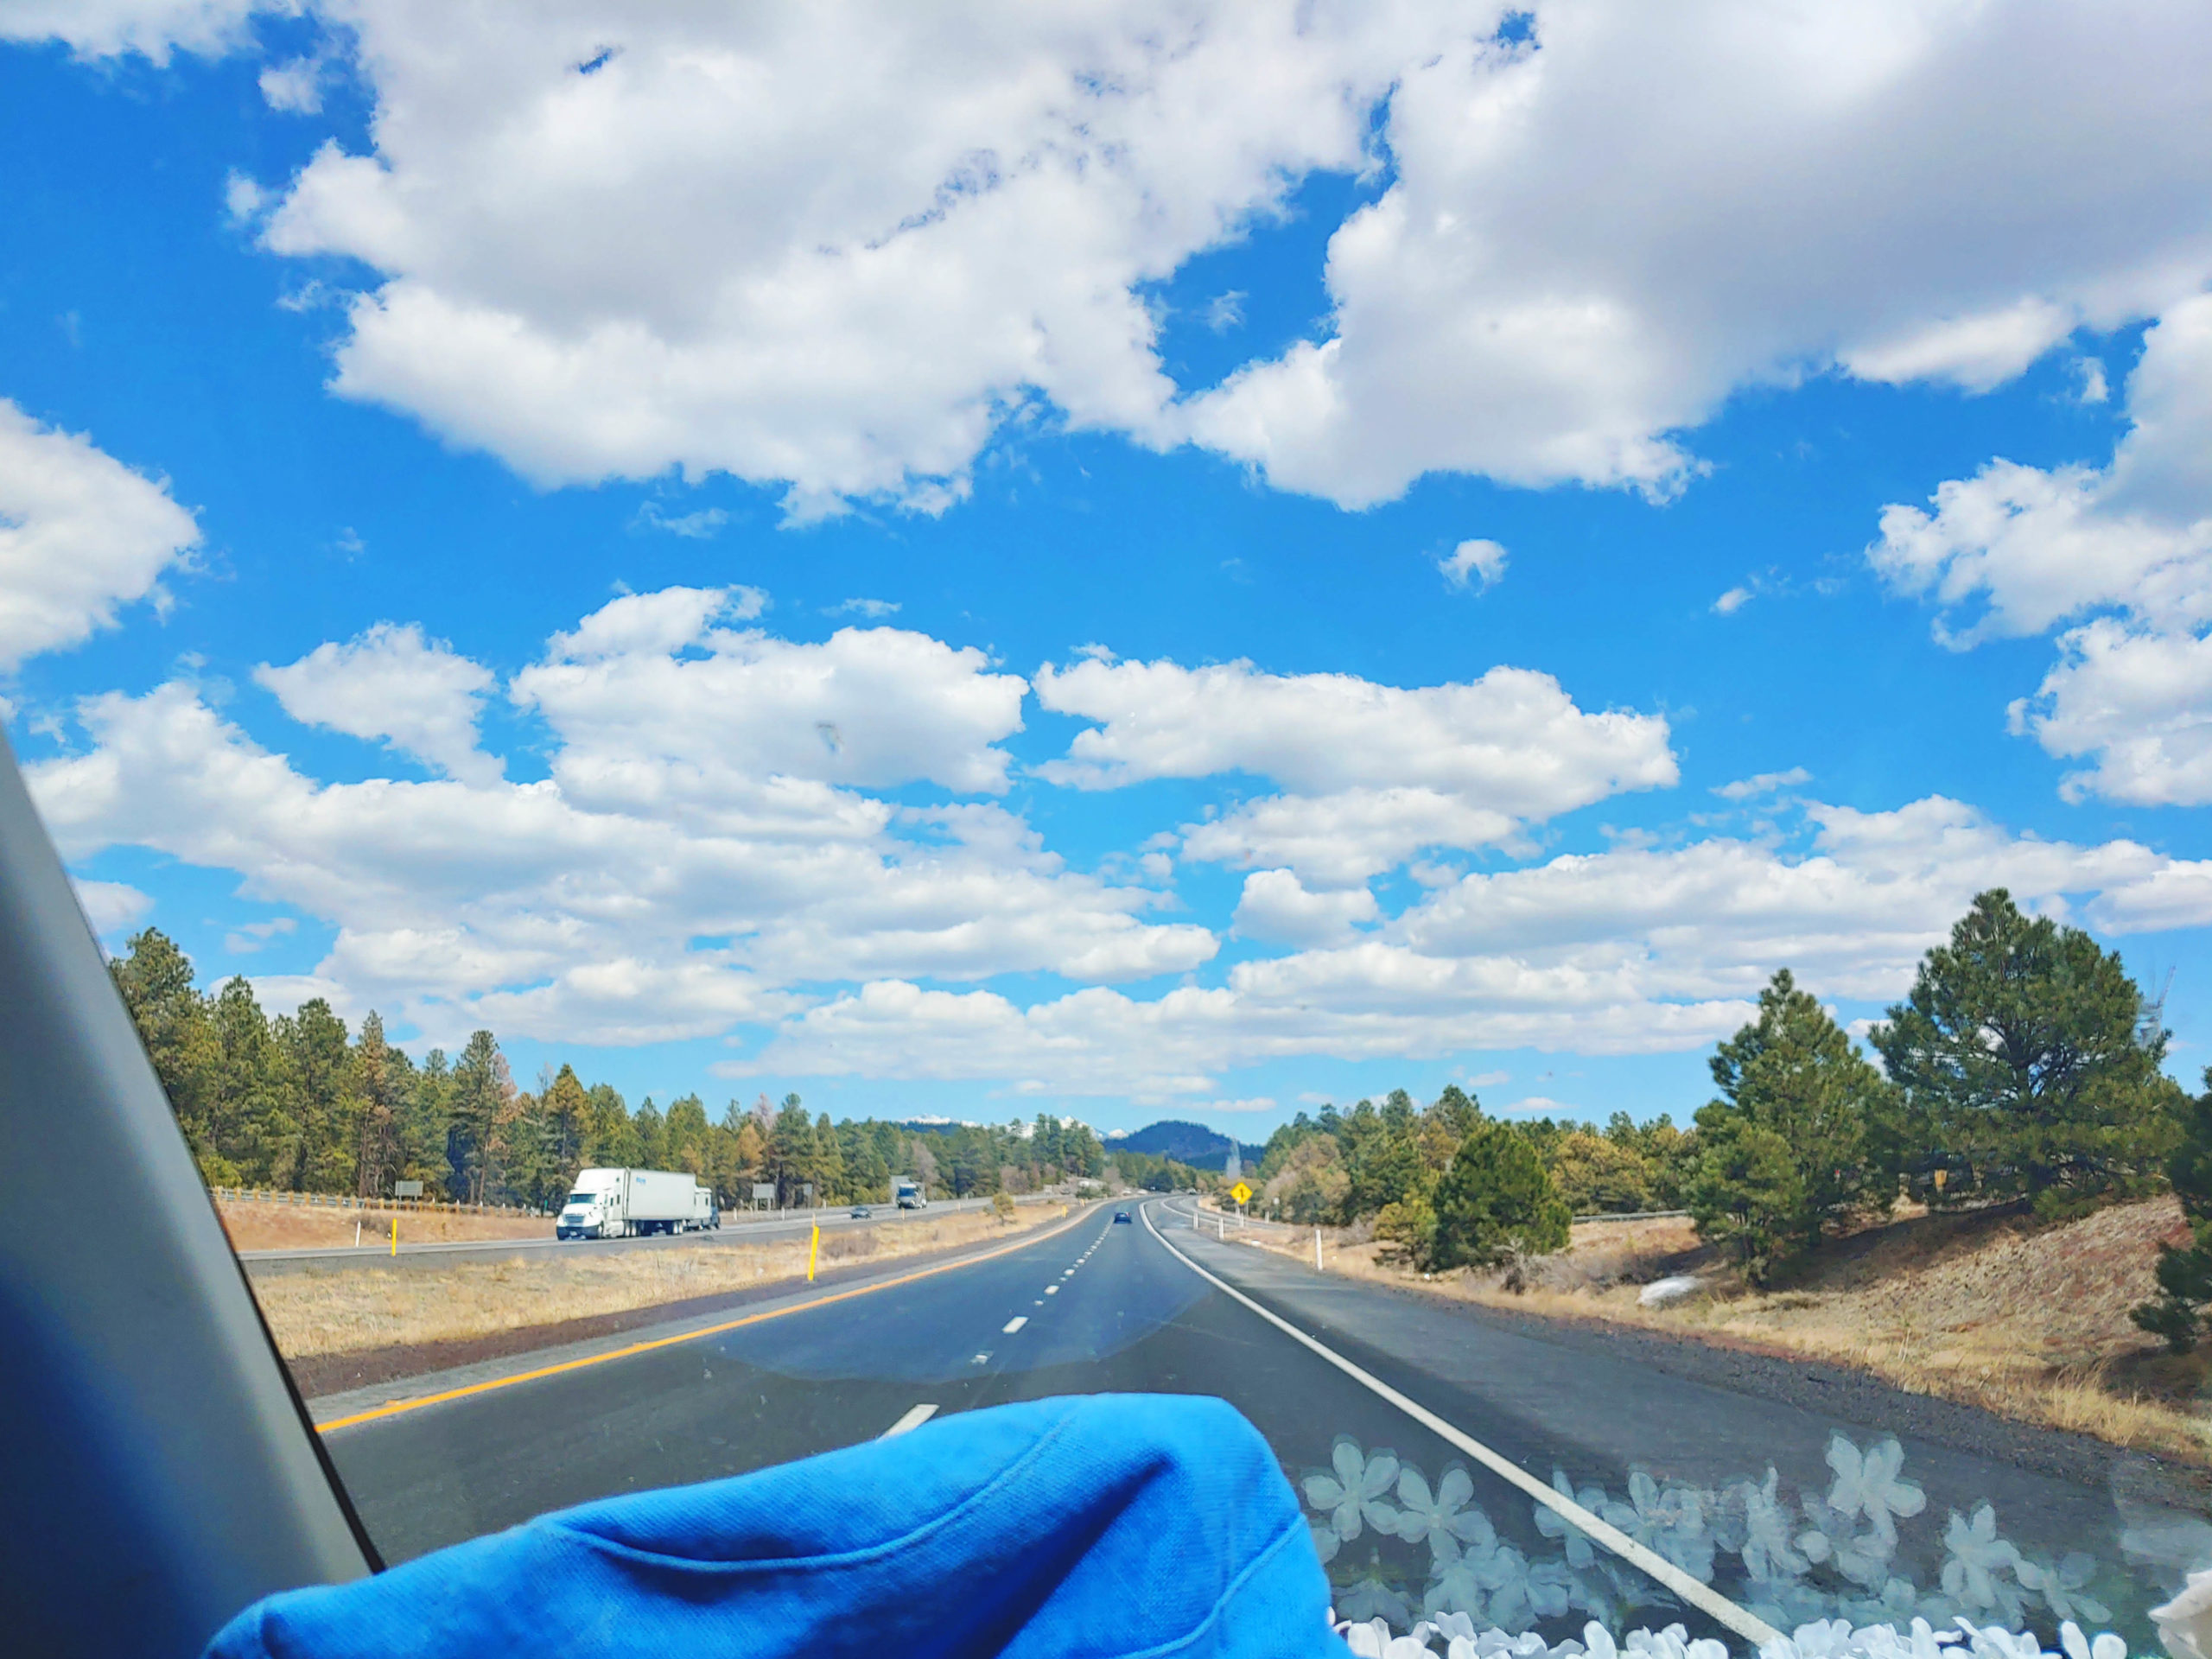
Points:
(394, 1408)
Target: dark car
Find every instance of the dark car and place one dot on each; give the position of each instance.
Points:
(1120, 1215)
(861, 1212)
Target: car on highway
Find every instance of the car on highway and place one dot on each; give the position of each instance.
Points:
(861, 1212)
(1121, 1216)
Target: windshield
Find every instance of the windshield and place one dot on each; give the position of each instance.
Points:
(1484, 727)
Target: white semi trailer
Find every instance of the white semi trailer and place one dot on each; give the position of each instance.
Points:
(627, 1202)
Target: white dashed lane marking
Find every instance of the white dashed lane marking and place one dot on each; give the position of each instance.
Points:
(1014, 1325)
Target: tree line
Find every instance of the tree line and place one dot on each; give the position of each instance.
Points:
(299, 1103)
(2023, 1067)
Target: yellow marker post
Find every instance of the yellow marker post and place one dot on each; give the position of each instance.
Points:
(395, 1234)
(812, 1245)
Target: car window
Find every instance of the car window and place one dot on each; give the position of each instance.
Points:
(1482, 726)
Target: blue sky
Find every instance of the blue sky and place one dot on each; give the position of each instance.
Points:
(347, 366)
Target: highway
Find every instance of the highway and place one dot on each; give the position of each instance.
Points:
(736, 1229)
(1315, 1361)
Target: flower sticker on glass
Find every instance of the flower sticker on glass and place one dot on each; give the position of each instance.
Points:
(1354, 1493)
(1442, 1520)
(1869, 1484)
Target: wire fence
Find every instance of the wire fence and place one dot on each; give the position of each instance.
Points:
(351, 1201)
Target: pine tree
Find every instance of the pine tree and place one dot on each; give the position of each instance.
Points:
(651, 1134)
(1745, 1193)
(483, 1097)
(2185, 1271)
(156, 980)
(1496, 1205)
(1794, 1088)
(686, 1134)
(829, 1163)
(251, 1106)
(325, 1153)
(379, 1079)
(2020, 1057)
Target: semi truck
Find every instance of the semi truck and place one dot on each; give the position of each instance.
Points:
(630, 1203)
(909, 1195)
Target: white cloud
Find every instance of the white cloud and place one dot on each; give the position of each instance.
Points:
(244, 941)
(1764, 783)
(421, 697)
(1276, 907)
(80, 534)
(674, 877)
(295, 86)
(1513, 736)
(112, 906)
(697, 527)
(836, 246)
(1480, 562)
(2020, 550)
(242, 197)
(1733, 602)
(656, 705)
(1344, 838)
(1379, 772)
(874, 609)
(152, 29)
(1978, 352)
(840, 245)
(1633, 951)
(1542, 1106)
(1567, 273)
(2139, 703)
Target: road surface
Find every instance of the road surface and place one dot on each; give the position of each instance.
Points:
(736, 1229)
(1096, 1306)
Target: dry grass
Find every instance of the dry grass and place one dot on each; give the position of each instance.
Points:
(255, 1225)
(315, 1313)
(2026, 1320)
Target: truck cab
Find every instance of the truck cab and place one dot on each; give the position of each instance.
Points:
(595, 1209)
(910, 1196)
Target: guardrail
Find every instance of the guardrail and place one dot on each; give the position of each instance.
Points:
(1636, 1215)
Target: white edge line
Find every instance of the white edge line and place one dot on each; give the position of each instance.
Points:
(1649, 1562)
(915, 1417)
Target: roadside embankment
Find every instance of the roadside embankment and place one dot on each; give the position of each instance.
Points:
(1994, 1309)
(341, 1330)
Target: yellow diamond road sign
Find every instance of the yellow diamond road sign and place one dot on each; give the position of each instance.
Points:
(1241, 1192)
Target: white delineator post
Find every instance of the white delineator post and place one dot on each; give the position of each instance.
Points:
(1317, 1249)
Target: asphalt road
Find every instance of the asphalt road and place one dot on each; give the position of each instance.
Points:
(1101, 1306)
(734, 1229)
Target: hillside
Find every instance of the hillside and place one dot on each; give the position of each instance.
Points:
(1187, 1143)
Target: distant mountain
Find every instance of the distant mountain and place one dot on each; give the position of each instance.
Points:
(1187, 1143)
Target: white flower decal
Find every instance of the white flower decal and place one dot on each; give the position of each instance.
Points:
(1829, 1575)
(1767, 1558)
(1552, 1524)
(1979, 1559)
(1442, 1522)
(1868, 1483)
(1354, 1493)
